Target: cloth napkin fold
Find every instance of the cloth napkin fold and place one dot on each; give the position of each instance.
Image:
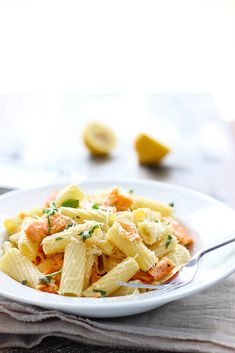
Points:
(201, 323)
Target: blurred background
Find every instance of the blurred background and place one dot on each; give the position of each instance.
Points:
(165, 68)
(41, 140)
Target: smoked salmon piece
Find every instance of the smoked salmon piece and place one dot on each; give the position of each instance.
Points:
(118, 200)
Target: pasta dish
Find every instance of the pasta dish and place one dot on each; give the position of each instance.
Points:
(83, 245)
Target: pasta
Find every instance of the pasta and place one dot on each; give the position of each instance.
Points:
(109, 282)
(81, 215)
(73, 271)
(26, 246)
(90, 259)
(142, 202)
(164, 246)
(20, 268)
(57, 242)
(121, 291)
(149, 231)
(70, 195)
(135, 248)
(142, 214)
(83, 245)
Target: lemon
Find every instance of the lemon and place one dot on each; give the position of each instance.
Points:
(149, 150)
(99, 139)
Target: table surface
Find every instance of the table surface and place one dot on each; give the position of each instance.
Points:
(202, 158)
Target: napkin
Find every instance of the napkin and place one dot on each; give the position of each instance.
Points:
(204, 322)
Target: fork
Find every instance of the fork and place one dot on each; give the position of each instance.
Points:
(186, 273)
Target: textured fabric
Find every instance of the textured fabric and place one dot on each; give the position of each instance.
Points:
(202, 323)
(63, 345)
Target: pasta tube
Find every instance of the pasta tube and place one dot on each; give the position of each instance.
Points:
(20, 268)
(89, 263)
(142, 202)
(106, 246)
(58, 241)
(81, 214)
(135, 248)
(149, 231)
(73, 272)
(125, 216)
(26, 246)
(6, 245)
(180, 255)
(109, 282)
(12, 224)
(71, 192)
(141, 214)
(166, 245)
(14, 238)
(123, 291)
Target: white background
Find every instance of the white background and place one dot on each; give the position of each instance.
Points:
(104, 46)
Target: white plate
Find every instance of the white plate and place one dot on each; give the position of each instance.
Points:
(208, 219)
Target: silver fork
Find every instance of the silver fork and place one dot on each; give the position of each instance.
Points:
(184, 276)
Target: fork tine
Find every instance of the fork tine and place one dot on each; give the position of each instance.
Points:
(145, 286)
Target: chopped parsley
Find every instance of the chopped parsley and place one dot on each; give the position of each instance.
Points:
(131, 191)
(95, 206)
(71, 203)
(168, 241)
(44, 280)
(156, 221)
(58, 238)
(47, 278)
(50, 212)
(101, 292)
(53, 274)
(24, 282)
(88, 233)
(171, 204)
(69, 225)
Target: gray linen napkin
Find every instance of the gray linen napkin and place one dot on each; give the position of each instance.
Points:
(202, 323)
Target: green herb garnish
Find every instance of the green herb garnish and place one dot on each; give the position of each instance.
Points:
(44, 280)
(47, 278)
(69, 225)
(71, 203)
(171, 204)
(131, 191)
(24, 282)
(58, 238)
(50, 212)
(53, 274)
(156, 221)
(88, 233)
(168, 241)
(95, 206)
(101, 292)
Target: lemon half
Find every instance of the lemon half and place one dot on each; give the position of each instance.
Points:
(99, 139)
(149, 150)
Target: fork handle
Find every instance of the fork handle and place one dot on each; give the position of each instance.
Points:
(216, 246)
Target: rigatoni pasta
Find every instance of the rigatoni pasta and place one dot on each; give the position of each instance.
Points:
(26, 246)
(109, 282)
(79, 244)
(132, 247)
(20, 268)
(73, 270)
